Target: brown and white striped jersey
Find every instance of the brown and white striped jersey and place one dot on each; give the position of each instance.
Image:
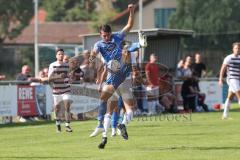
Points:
(60, 85)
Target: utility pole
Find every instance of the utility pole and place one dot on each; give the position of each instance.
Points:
(140, 3)
(36, 54)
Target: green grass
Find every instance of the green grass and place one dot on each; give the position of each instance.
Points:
(201, 136)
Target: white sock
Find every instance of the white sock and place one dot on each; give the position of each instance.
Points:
(226, 108)
(58, 122)
(124, 121)
(106, 124)
(155, 104)
(114, 131)
(67, 124)
(127, 117)
(150, 104)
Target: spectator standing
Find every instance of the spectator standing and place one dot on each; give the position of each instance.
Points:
(66, 58)
(88, 68)
(25, 76)
(198, 67)
(152, 72)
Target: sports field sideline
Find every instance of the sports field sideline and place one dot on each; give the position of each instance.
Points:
(196, 136)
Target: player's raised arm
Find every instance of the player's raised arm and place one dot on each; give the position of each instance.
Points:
(129, 24)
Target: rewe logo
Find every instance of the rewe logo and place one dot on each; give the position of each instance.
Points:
(25, 93)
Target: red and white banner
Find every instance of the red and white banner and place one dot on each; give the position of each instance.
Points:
(26, 100)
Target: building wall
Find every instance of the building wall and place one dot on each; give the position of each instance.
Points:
(167, 48)
(148, 12)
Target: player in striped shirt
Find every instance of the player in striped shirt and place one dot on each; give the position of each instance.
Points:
(231, 64)
(58, 77)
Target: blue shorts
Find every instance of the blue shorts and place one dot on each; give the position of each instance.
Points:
(117, 78)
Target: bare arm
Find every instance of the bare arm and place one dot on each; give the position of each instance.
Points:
(221, 74)
(93, 55)
(129, 25)
(102, 78)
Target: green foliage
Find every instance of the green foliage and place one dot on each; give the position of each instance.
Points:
(27, 58)
(120, 5)
(14, 16)
(69, 10)
(216, 23)
(84, 10)
(103, 15)
(210, 16)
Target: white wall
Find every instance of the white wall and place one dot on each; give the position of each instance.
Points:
(148, 12)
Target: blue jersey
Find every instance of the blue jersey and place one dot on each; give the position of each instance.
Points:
(126, 69)
(111, 50)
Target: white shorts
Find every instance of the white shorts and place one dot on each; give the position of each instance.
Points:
(234, 85)
(124, 90)
(154, 92)
(57, 99)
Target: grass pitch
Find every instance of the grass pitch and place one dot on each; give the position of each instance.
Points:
(172, 137)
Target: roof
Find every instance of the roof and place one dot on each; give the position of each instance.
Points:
(155, 32)
(53, 32)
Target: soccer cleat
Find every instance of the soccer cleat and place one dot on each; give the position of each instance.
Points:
(69, 129)
(103, 143)
(21, 119)
(123, 130)
(142, 39)
(225, 117)
(59, 128)
(96, 132)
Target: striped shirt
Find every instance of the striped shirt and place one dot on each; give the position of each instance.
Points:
(61, 85)
(233, 66)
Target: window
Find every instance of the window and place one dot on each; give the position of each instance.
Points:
(161, 17)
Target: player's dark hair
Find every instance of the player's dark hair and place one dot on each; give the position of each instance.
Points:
(236, 44)
(59, 49)
(105, 28)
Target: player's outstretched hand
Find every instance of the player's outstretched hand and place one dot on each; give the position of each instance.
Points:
(131, 7)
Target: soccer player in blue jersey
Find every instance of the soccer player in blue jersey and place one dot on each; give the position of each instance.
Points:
(110, 49)
(129, 58)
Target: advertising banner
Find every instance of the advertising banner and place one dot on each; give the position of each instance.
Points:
(213, 93)
(8, 100)
(26, 100)
(85, 98)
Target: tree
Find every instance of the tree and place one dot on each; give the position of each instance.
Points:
(120, 5)
(14, 16)
(216, 24)
(103, 14)
(211, 20)
(213, 17)
(69, 10)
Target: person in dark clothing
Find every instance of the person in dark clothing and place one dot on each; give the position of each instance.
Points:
(25, 76)
(198, 68)
(191, 95)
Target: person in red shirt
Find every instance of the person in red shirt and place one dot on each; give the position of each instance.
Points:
(152, 72)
